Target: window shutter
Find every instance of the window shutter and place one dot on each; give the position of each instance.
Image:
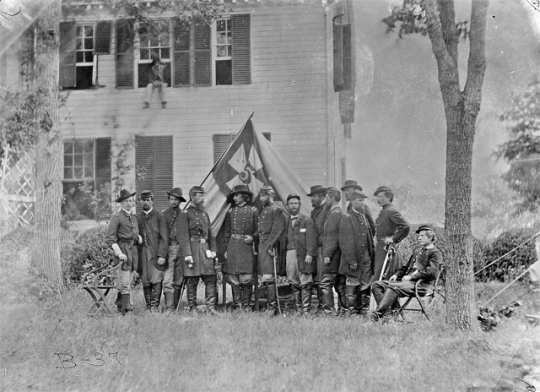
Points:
(338, 56)
(124, 53)
(153, 160)
(347, 58)
(103, 37)
(202, 56)
(67, 55)
(241, 63)
(182, 34)
(103, 165)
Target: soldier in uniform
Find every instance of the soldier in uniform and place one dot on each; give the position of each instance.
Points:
(122, 236)
(318, 216)
(270, 229)
(390, 229)
(424, 264)
(330, 278)
(357, 252)
(179, 247)
(348, 188)
(240, 233)
(201, 261)
(301, 246)
(153, 250)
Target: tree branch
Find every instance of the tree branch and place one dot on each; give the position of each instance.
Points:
(448, 23)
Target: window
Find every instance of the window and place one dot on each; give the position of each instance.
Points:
(87, 172)
(154, 40)
(223, 51)
(79, 44)
(223, 141)
(154, 170)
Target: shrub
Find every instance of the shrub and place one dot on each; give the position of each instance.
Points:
(512, 265)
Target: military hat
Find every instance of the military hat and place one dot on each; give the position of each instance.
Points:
(351, 184)
(196, 189)
(293, 196)
(243, 189)
(382, 189)
(146, 194)
(124, 194)
(267, 190)
(358, 195)
(176, 192)
(316, 189)
(423, 228)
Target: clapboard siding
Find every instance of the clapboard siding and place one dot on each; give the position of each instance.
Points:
(288, 93)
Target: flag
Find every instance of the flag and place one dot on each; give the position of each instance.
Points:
(250, 160)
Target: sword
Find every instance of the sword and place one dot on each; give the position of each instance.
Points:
(275, 280)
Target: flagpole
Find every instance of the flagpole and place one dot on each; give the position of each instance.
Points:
(223, 155)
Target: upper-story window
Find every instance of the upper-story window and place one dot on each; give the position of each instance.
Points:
(224, 50)
(84, 55)
(154, 41)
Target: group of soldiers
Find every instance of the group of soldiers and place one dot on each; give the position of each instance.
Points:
(331, 250)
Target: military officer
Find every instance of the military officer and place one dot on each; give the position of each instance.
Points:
(122, 236)
(179, 248)
(318, 216)
(357, 252)
(201, 263)
(271, 228)
(153, 250)
(348, 188)
(239, 236)
(330, 278)
(390, 229)
(301, 249)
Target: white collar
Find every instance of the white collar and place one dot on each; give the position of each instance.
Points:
(147, 212)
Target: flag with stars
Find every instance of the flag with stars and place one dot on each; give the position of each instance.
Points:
(252, 161)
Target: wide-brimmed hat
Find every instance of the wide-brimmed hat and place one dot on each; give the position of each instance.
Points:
(124, 194)
(239, 189)
(316, 189)
(423, 228)
(176, 192)
(382, 189)
(358, 195)
(351, 184)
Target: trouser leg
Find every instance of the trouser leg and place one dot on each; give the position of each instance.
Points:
(176, 297)
(384, 306)
(342, 294)
(155, 297)
(247, 290)
(352, 298)
(377, 289)
(306, 297)
(233, 280)
(272, 297)
(297, 294)
(327, 284)
(210, 291)
(148, 93)
(147, 296)
(192, 283)
(363, 300)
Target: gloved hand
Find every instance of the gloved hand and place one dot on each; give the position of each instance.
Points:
(189, 260)
(139, 240)
(122, 257)
(393, 278)
(353, 266)
(309, 259)
(161, 260)
(210, 254)
(271, 252)
(326, 260)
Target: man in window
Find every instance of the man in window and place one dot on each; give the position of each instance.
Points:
(201, 265)
(240, 232)
(122, 236)
(424, 264)
(153, 250)
(156, 80)
(179, 248)
(270, 230)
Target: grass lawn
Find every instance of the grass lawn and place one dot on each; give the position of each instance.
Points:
(52, 345)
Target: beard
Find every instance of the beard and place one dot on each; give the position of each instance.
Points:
(146, 207)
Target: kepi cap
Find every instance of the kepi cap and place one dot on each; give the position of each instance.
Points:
(293, 196)
(146, 194)
(267, 190)
(382, 189)
(196, 189)
(423, 228)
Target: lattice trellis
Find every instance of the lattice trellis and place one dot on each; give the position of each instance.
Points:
(17, 188)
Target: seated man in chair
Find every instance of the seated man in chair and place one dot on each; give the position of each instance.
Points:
(424, 264)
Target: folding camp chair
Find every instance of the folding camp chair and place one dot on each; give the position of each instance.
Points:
(424, 301)
(98, 283)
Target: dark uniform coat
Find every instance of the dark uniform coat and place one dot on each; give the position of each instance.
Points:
(153, 230)
(201, 239)
(124, 231)
(331, 240)
(319, 215)
(271, 228)
(304, 237)
(389, 223)
(240, 221)
(357, 247)
(177, 226)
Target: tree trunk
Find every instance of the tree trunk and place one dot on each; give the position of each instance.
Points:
(49, 149)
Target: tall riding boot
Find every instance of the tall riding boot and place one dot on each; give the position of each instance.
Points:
(210, 291)
(147, 296)
(192, 295)
(351, 293)
(118, 302)
(176, 297)
(272, 298)
(389, 297)
(246, 296)
(126, 303)
(378, 292)
(169, 299)
(297, 294)
(327, 298)
(236, 296)
(363, 300)
(156, 296)
(341, 289)
(306, 298)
